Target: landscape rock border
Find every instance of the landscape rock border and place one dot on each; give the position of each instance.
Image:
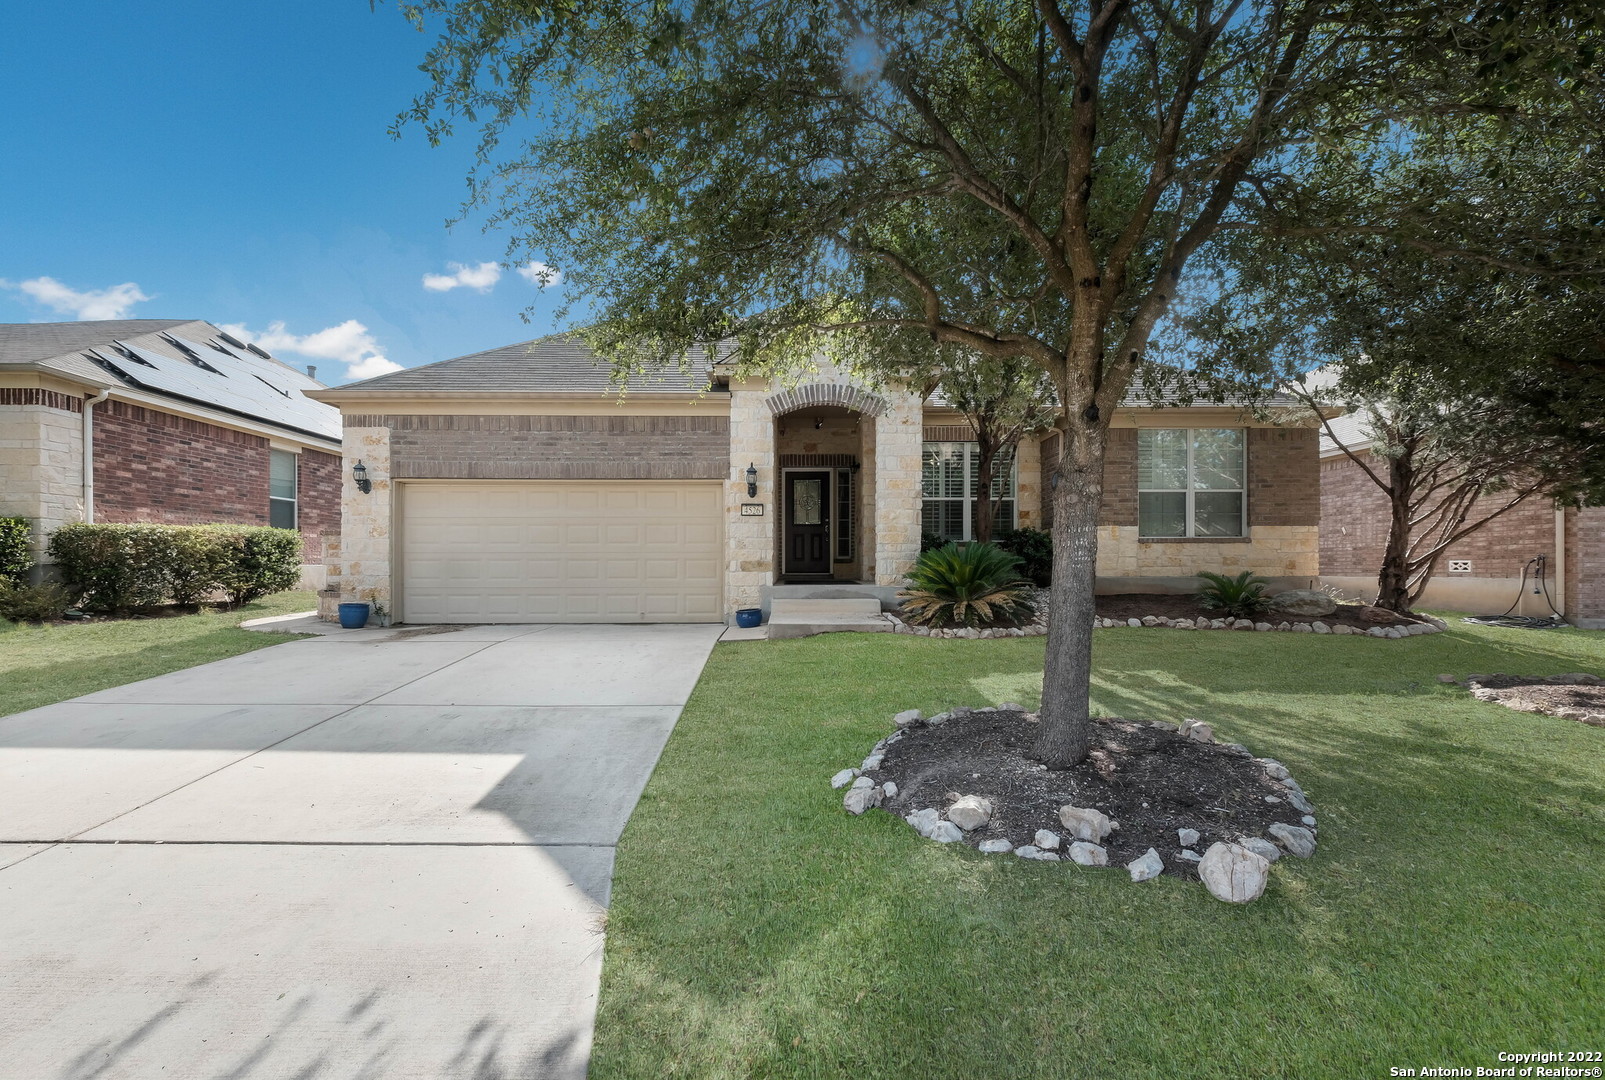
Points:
(1502, 689)
(1234, 872)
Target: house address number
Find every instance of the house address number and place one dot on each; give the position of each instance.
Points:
(752, 509)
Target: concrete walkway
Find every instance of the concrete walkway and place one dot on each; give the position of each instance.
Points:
(383, 856)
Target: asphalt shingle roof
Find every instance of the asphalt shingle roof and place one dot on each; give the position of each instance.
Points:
(563, 364)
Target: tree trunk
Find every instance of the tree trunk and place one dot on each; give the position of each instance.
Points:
(1065, 730)
(986, 453)
(1393, 580)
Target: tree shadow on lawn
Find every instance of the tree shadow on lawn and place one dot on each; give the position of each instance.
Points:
(758, 930)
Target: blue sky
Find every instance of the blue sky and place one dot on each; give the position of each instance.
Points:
(230, 162)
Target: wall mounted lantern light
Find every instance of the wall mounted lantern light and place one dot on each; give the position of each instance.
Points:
(359, 473)
(752, 481)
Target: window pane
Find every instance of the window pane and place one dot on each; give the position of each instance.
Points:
(1218, 513)
(807, 502)
(1162, 513)
(281, 475)
(931, 471)
(943, 517)
(1218, 459)
(281, 513)
(844, 514)
(1002, 516)
(1161, 459)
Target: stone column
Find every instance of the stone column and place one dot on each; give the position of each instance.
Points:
(41, 463)
(750, 541)
(899, 438)
(364, 552)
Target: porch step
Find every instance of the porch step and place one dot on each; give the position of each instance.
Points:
(860, 605)
(794, 618)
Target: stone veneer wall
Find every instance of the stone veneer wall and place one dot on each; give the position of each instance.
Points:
(750, 541)
(359, 563)
(899, 448)
(41, 459)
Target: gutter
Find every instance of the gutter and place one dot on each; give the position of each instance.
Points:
(89, 454)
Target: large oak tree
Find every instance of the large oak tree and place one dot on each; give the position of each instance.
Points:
(1019, 179)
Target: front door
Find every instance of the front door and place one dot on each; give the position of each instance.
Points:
(807, 523)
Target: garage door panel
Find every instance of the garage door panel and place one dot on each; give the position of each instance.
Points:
(545, 551)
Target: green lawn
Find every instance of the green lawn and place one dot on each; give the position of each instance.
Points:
(44, 664)
(1452, 912)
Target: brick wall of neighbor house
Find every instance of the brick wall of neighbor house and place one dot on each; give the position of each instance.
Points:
(152, 466)
(318, 481)
(1585, 567)
(628, 447)
(1354, 529)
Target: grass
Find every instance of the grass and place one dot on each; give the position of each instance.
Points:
(40, 665)
(1451, 913)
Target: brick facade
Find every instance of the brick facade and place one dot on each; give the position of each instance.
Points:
(1284, 479)
(498, 447)
(1585, 567)
(1354, 529)
(155, 467)
(50, 399)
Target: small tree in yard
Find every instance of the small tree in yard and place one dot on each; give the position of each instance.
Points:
(1015, 180)
(1004, 400)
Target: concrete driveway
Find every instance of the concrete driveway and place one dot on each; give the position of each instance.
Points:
(345, 857)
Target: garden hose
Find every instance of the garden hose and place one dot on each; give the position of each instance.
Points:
(1526, 622)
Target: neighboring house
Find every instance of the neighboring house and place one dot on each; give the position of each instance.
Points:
(517, 485)
(183, 424)
(1483, 572)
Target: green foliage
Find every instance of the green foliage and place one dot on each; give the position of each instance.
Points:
(930, 541)
(32, 603)
(128, 567)
(1034, 548)
(16, 548)
(966, 585)
(1239, 597)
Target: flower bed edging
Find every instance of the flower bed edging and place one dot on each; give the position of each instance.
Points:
(1433, 625)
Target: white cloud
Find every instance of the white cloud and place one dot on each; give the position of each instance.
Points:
(540, 275)
(481, 278)
(350, 343)
(113, 302)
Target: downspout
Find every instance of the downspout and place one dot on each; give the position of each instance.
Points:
(1560, 559)
(89, 454)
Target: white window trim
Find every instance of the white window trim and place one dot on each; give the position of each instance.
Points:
(1011, 491)
(295, 503)
(1190, 490)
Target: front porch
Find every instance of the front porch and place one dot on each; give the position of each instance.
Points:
(835, 500)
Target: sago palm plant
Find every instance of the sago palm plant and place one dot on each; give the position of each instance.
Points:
(1239, 597)
(966, 585)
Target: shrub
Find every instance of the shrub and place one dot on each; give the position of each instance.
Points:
(259, 561)
(968, 585)
(16, 548)
(930, 541)
(33, 603)
(1034, 548)
(118, 567)
(1239, 597)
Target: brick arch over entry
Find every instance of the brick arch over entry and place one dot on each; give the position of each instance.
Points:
(847, 397)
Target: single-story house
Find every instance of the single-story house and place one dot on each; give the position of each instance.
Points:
(519, 485)
(1482, 573)
(167, 421)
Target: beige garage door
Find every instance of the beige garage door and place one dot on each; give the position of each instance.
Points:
(561, 551)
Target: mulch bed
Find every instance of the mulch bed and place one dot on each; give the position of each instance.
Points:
(1148, 777)
(1182, 606)
(1572, 696)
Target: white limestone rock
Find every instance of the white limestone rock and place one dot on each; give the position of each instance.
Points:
(1198, 731)
(1309, 820)
(1320, 627)
(994, 847)
(1085, 854)
(1295, 838)
(888, 789)
(1261, 847)
(1188, 837)
(945, 832)
(1046, 840)
(970, 812)
(1274, 769)
(843, 778)
(1233, 873)
(1084, 823)
(863, 782)
(1188, 856)
(872, 762)
(907, 718)
(858, 800)
(1147, 866)
(924, 820)
(1028, 851)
